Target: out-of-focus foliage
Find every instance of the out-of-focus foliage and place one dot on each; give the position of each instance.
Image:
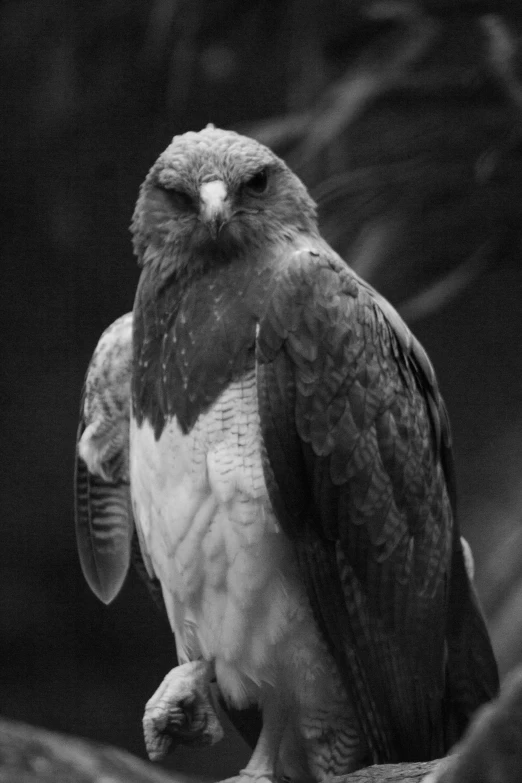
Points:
(403, 117)
(413, 151)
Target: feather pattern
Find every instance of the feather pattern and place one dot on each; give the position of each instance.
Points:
(103, 529)
(104, 525)
(358, 465)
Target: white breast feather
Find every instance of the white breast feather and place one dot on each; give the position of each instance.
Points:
(228, 573)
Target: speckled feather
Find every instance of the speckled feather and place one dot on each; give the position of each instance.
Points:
(103, 512)
(355, 436)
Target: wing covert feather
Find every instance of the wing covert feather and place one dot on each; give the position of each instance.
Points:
(358, 466)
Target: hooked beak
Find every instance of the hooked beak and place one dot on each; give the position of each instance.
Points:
(214, 209)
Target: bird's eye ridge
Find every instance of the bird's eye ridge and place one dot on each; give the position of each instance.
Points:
(258, 183)
(180, 199)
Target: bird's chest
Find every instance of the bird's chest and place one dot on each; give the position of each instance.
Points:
(190, 342)
(205, 519)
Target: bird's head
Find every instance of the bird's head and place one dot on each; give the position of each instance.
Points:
(215, 194)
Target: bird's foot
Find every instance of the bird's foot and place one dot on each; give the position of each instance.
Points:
(181, 711)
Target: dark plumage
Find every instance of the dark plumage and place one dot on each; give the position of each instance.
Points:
(291, 473)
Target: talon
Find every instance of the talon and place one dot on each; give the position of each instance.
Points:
(180, 712)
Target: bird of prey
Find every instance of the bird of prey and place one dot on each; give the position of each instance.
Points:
(290, 472)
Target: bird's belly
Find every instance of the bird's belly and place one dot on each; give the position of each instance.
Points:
(228, 572)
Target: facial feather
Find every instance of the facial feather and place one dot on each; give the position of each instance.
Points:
(169, 219)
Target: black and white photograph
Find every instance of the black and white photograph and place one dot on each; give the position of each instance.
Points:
(261, 391)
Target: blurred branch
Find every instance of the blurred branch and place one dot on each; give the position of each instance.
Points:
(347, 98)
(158, 32)
(33, 755)
(443, 291)
(503, 50)
(504, 582)
(412, 151)
(491, 749)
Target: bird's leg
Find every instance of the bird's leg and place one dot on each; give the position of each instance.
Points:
(262, 764)
(181, 711)
(332, 741)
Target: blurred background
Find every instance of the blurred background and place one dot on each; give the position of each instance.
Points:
(404, 119)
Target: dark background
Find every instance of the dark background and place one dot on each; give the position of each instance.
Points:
(403, 118)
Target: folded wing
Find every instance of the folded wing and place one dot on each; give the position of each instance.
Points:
(104, 523)
(358, 466)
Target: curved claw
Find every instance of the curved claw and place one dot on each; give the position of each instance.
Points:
(181, 711)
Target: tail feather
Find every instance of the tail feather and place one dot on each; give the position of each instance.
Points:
(472, 673)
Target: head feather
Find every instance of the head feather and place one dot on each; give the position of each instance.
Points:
(216, 154)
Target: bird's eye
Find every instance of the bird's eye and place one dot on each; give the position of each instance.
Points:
(180, 199)
(258, 183)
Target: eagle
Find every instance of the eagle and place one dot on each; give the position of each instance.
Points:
(276, 434)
